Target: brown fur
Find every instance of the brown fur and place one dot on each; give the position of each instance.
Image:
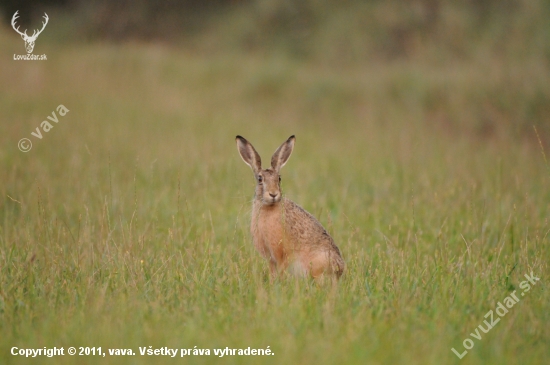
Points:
(283, 232)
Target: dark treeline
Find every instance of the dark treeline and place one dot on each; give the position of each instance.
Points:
(153, 18)
(121, 18)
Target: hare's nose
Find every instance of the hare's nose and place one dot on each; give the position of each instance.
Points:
(273, 195)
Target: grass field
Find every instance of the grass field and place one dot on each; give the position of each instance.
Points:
(126, 225)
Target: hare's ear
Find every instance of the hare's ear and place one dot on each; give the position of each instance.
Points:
(249, 154)
(281, 156)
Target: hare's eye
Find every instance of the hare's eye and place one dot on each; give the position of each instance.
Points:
(260, 179)
(279, 179)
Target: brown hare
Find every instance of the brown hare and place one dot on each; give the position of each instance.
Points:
(283, 232)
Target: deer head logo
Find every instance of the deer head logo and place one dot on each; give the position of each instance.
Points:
(29, 41)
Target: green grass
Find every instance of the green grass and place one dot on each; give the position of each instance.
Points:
(127, 224)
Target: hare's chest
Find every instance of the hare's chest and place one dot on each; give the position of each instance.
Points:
(268, 233)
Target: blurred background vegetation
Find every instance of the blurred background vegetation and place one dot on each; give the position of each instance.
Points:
(493, 55)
